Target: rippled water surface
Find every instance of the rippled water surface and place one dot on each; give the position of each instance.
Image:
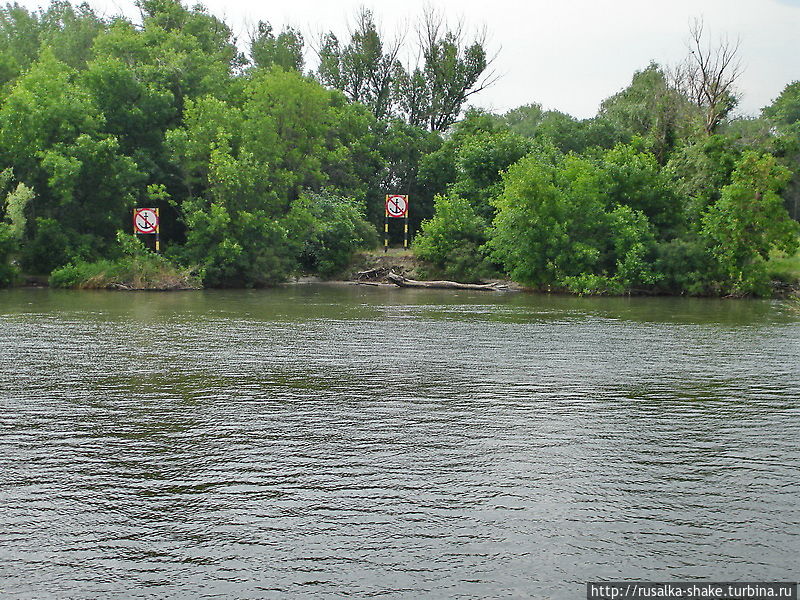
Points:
(321, 442)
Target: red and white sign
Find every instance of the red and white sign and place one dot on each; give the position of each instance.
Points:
(145, 220)
(397, 206)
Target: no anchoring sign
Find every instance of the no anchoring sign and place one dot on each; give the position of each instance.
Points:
(396, 206)
(145, 220)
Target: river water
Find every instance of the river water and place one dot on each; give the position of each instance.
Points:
(322, 442)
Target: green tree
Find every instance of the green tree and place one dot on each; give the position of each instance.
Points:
(651, 109)
(701, 169)
(748, 221)
(638, 182)
(234, 234)
(288, 119)
(784, 115)
(525, 120)
(453, 69)
(558, 227)
(12, 227)
(784, 111)
(481, 160)
(51, 134)
(365, 68)
(20, 40)
(70, 32)
(284, 50)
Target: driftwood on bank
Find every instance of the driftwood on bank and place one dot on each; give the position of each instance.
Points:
(401, 281)
(379, 272)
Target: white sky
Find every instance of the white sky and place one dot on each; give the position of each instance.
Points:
(565, 54)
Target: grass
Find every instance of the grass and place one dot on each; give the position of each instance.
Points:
(784, 268)
(143, 272)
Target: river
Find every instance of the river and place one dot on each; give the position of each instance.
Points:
(319, 442)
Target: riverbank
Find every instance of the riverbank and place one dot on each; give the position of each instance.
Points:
(376, 268)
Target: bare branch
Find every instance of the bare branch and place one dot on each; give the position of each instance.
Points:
(708, 75)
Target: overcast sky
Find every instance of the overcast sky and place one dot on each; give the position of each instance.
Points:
(565, 54)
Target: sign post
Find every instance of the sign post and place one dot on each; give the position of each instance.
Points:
(396, 208)
(146, 221)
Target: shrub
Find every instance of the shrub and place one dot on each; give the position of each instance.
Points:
(138, 268)
(8, 246)
(327, 229)
(452, 241)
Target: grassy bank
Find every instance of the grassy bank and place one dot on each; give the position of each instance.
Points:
(785, 268)
(136, 269)
(129, 273)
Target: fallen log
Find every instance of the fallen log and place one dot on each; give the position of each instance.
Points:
(371, 273)
(401, 281)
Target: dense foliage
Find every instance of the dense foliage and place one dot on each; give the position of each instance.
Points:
(263, 167)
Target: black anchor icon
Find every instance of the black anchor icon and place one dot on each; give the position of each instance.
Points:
(398, 210)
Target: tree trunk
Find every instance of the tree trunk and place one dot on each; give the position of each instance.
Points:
(401, 281)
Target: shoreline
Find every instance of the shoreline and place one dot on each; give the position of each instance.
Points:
(783, 292)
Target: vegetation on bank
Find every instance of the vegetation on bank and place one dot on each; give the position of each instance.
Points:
(263, 168)
(137, 268)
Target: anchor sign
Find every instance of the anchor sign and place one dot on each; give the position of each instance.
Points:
(397, 206)
(145, 220)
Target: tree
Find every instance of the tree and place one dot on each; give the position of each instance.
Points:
(187, 53)
(701, 169)
(748, 221)
(707, 77)
(566, 132)
(651, 109)
(364, 69)
(12, 228)
(20, 40)
(637, 181)
(784, 112)
(51, 134)
(784, 115)
(285, 50)
(429, 94)
(70, 32)
(525, 120)
(233, 234)
(327, 230)
(453, 69)
(288, 119)
(481, 160)
(558, 225)
(549, 220)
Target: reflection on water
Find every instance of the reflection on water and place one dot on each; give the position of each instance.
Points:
(326, 441)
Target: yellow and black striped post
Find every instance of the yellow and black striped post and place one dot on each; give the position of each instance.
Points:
(158, 232)
(386, 225)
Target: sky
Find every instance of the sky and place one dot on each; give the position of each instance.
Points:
(567, 55)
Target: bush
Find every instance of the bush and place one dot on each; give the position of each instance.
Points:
(686, 266)
(138, 269)
(452, 242)
(559, 226)
(52, 246)
(326, 230)
(8, 246)
(781, 267)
